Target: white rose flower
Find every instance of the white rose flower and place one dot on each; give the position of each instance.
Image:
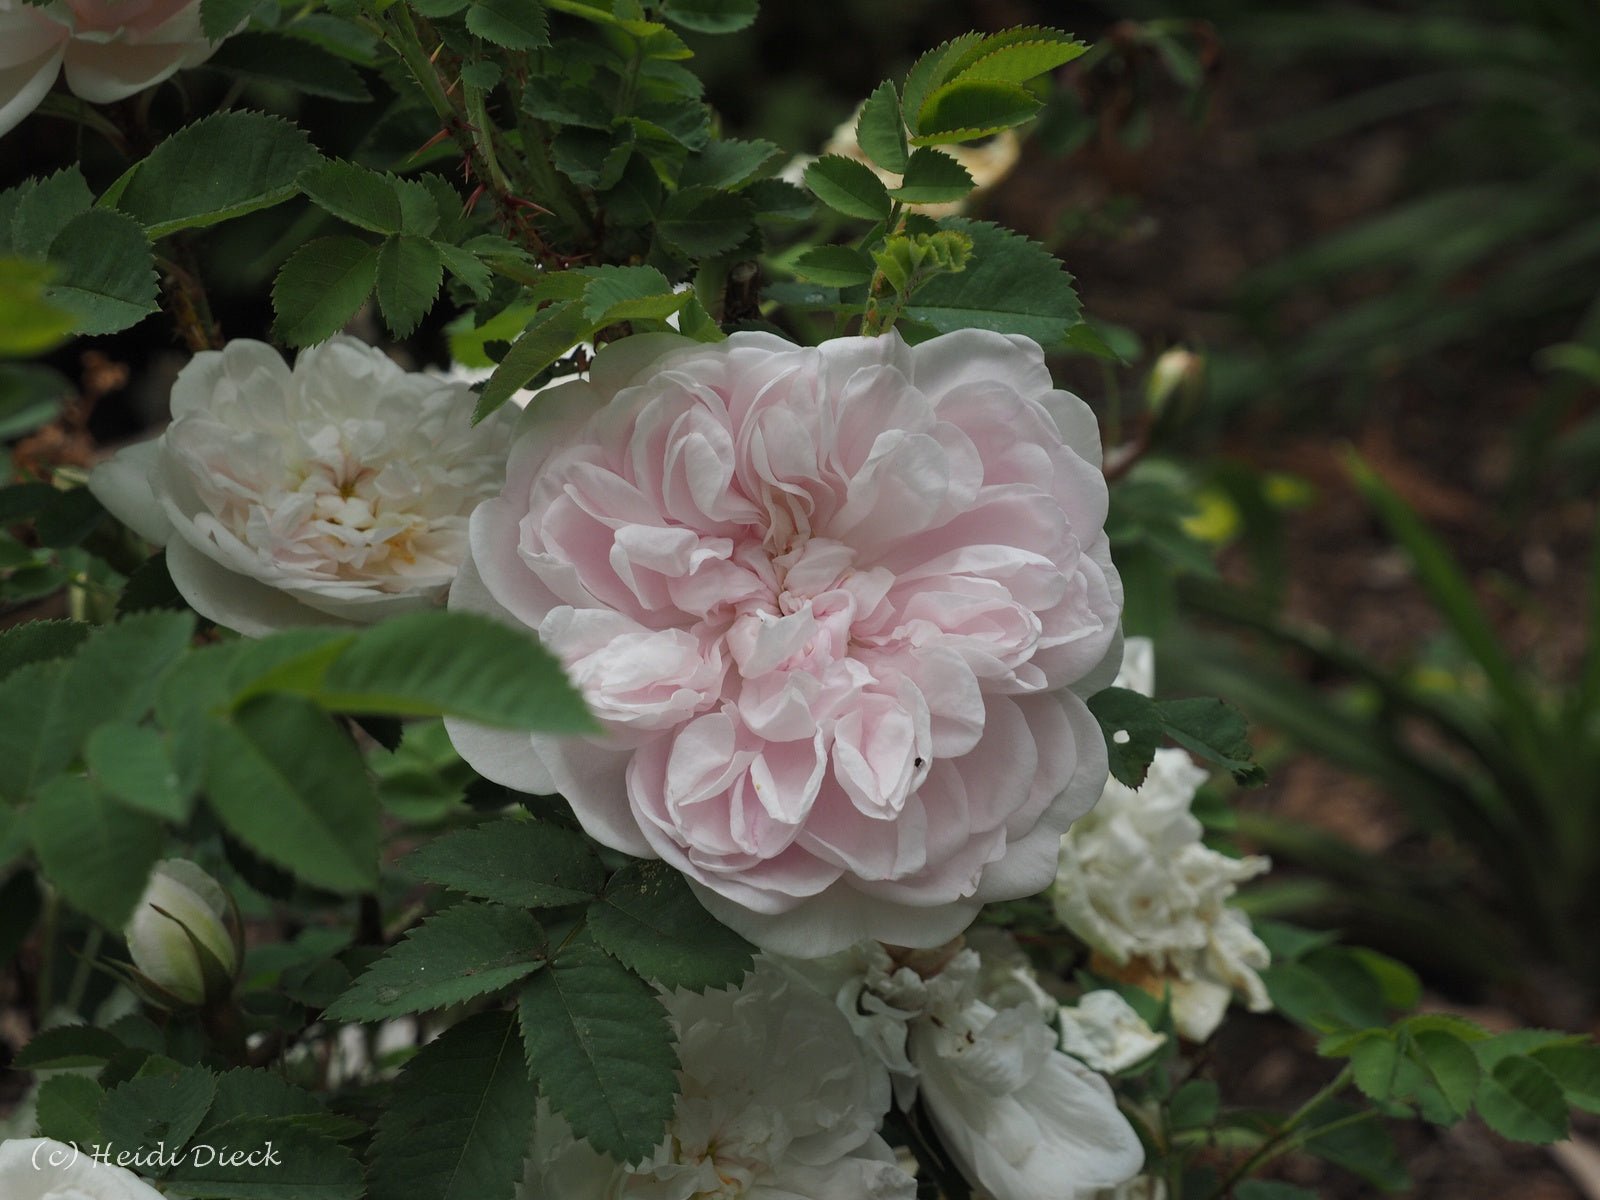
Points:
(1103, 1031)
(41, 1169)
(1021, 1119)
(1005, 975)
(1137, 884)
(777, 1101)
(334, 493)
(109, 49)
(181, 936)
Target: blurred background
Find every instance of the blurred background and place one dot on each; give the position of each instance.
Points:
(1342, 262)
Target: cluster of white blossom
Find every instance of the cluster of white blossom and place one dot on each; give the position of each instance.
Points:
(1022, 1120)
(777, 1099)
(1140, 887)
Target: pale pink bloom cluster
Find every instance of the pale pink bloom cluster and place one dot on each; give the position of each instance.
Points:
(108, 49)
(834, 608)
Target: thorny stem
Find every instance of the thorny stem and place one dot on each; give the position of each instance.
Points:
(187, 302)
(1283, 1142)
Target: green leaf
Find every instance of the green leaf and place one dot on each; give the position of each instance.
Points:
(410, 272)
(70, 517)
(462, 952)
(1402, 989)
(529, 864)
(150, 586)
(1011, 285)
(835, 266)
(1214, 730)
(69, 1109)
(881, 130)
(47, 709)
(467, 267)
(149, 1109)
(1449, 1065)
(1522, 1100)
(97, 852)
(354, 194)
(321, 287)
(553, 331)
(39, 641)
(700, 222)
(932, 177)
(459, 1124)
(651, 922)
(729, 162)
(132, 763)
(288, 781)
(295, 62)
(1021, 60)
(219, 18)
(221, 167)
(1132, 729)
(968, 109)
(513, 24)
(44, 207)
(629, 293)
(849, 187)
(779, 200)
(455, 664)
(711, 16)
(306, 1165)
(104, 272)
(1577, 1070)
(1194, 1105)
(932, 70)
(1375, 1064)
(599, 1044)
(67, 1046)
(253, 1093)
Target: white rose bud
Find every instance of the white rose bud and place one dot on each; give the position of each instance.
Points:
(184, 936)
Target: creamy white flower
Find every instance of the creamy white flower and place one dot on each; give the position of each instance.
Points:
(1021, 1119)
(109, 49)
(1137, 884)
(777, 1101)
(183, 906)
(334, 493)
(41, 1169)
(1005, 975)
(1138, 670)
(1103, 1031)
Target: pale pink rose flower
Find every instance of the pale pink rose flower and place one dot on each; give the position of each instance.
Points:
(835, 608)
(108, 49)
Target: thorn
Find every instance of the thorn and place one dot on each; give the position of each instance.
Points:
(430, 143)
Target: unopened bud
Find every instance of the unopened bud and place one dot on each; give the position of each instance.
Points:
(1177, 368)
(183, 935)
